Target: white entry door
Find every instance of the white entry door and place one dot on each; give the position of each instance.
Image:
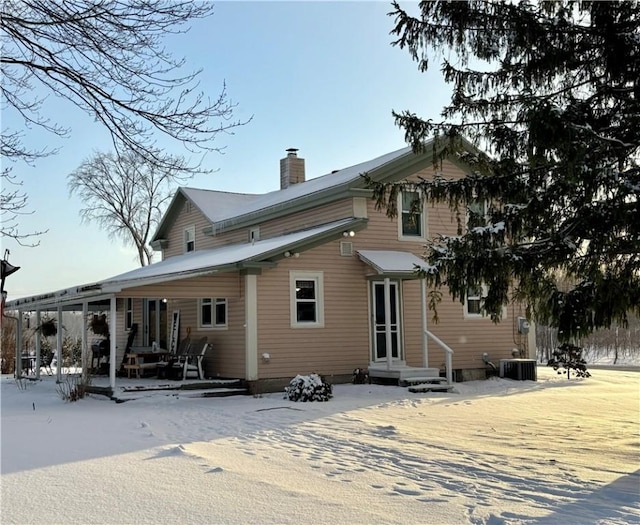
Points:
(380, 321)
(155, 322)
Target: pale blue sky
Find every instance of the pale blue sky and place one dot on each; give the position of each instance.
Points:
(318, 76)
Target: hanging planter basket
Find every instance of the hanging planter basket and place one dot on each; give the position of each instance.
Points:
(48, 328)
(99, 325)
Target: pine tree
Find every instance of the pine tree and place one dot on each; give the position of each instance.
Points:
(547, 95)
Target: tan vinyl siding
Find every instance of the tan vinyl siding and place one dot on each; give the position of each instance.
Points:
(276, 227)
(188, 216)
(217, 285)
(341, 345)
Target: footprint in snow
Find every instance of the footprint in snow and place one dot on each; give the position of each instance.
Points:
(215, 470)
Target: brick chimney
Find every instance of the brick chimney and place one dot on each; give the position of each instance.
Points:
(291, 169)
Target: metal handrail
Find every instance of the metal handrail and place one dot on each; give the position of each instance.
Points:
(448, 355)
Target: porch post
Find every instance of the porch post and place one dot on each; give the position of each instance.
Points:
(18, 365)
(423, 307)
(113, 330)
(387, 322)
(85, 346)
(59, 346)
(251, 326)
(38, 344)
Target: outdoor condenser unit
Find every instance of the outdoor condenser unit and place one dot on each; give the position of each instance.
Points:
(519, 369)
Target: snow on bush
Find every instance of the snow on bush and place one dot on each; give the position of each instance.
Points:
(308, 388)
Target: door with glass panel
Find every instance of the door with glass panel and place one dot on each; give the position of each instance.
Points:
(379, 321)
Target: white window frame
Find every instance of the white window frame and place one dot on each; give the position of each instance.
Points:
(128, 313)
(189, 236)
(485, 210)
(482, 315)
(213, 303)
(423, 223)
(475, 297)
(318, 279)
(254, 234)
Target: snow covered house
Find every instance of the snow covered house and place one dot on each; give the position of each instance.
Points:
(308, 278)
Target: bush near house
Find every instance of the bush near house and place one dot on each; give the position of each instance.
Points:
(312, 387)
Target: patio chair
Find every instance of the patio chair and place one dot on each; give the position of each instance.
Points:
(165, 368)
(191, 360)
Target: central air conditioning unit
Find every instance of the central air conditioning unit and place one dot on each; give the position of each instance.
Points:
(519, 369)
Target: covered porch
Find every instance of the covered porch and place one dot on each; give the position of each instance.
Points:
(389, 266)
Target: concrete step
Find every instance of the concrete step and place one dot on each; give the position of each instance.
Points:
(430, 387)
(407, 381)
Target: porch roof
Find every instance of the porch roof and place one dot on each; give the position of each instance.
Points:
(394, 263)
(202, 262)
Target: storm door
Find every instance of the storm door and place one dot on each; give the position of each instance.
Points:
(155, 322)
(379, 317)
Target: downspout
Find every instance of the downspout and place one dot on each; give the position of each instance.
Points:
(485, 358)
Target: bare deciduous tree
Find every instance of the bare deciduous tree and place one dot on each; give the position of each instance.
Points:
(125, 194)
(108, 58)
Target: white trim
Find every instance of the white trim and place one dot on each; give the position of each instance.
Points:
(254, 234)
(481, 315)
(214, 302)
(189, 236)
(251, 326)
(318, 279)
(128, 302)
(423, 218)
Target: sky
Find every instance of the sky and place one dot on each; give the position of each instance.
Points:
(493, 452)
(322, 77)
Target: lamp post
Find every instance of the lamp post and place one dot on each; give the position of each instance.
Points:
(6, 269)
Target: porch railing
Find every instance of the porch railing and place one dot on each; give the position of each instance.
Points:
(448, 355)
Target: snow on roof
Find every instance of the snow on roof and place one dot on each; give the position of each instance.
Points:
(393, 262)
(219, 206)
(200, 261)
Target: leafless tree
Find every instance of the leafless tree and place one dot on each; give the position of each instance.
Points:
(108, 58)
(125, 194)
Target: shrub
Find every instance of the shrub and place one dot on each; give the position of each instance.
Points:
(569, 357)
(308, 388)
(73, 388)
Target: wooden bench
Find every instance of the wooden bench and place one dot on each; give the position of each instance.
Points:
(136, 363)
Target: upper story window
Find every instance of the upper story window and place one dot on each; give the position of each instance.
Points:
(190, 239)
(213, 313)
(254, 234)
(477, 213)
(474, 304)
(307, 299)
(411, 223)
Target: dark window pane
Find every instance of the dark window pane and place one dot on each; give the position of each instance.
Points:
(306, 312)
(305, 289)
(206, 313)
(221, 313)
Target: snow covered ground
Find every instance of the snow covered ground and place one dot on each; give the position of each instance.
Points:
(495, 451)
